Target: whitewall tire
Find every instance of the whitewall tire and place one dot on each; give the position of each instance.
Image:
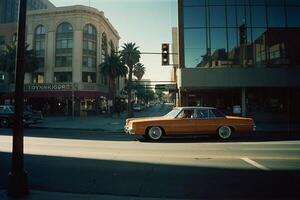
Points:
(155, 133)
(224, 132)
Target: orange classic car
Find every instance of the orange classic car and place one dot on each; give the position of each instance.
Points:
(188, 121)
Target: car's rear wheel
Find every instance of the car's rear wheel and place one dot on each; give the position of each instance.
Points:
(155, 133)
(4, 123)
(224, 132)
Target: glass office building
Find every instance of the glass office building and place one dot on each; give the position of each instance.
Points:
(9, 8)
(240, 32)
(240, 54)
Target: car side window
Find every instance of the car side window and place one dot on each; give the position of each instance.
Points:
(211, 114)
(186, 114)
(201, 114)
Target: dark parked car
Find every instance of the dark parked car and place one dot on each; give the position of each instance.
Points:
(7, 116)
(36, 115)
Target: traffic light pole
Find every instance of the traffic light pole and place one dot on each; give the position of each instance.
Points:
(17, 178)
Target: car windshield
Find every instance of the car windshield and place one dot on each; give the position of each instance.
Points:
(173, 113)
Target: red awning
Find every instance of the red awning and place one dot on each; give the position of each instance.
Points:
(57, 94)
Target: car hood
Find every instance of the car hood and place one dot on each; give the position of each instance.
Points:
(146, 119)
(236, 117)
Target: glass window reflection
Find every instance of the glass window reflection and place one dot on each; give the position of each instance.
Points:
(231, 16)
(217, 16)
(292, 2)
(195, 46)
(276, 16)
(275, 2)
(293, 16)
(218, 39)
(218, 43)
(194, 17)
(257, 2)
(241, 15)
(259, 16)
(217, 2)
(193, 2)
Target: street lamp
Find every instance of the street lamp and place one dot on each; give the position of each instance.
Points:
(17, 178)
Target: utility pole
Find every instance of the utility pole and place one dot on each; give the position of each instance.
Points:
(17, 178)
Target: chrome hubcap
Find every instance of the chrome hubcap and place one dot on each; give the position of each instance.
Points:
(155, 133)
(225, 132)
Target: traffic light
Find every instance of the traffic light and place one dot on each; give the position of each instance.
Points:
(165, 60)
(243, 34)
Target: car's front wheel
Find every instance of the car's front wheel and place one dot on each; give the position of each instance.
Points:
(224, 132)
(155, 133)
(4, 123)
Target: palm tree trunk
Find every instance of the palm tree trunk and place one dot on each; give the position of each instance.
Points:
(129, 85)
(114, 94)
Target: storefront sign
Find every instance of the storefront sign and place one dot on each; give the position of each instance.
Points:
(48, 87)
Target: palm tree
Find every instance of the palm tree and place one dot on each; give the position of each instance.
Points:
(130, 56)
(113, 67)
(8, 59)
(139, 71)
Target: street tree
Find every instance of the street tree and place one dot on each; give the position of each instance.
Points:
(130, 56)
(139, 71)
(8, 59)
(145, 95)
(113, 67)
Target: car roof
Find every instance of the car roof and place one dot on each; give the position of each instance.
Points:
(195, 107)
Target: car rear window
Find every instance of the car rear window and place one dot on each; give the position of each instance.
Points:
(217, 113)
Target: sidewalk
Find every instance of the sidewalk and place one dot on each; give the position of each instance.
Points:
(115, 124)
(42, 195)
(92, 123)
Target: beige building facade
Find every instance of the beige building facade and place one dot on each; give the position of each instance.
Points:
(70, 42)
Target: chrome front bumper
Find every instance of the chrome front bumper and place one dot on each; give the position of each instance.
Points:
(128, 131)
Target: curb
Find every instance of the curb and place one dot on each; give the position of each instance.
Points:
(76, 129)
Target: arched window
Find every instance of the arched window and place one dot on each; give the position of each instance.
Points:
(64, 45)
(39, 47)
(89, 46)
(104, 53)
(104, 47)
(112, 47)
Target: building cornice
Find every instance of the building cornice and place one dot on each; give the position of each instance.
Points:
(77, 9)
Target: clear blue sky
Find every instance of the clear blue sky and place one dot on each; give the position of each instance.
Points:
(148, 23)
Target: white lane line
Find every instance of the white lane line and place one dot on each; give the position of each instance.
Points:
(255, 164)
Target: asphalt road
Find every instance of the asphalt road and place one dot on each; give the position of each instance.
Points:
(102, 163)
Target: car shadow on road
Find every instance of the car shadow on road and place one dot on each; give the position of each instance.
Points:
(259, 137)
(144, 179)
